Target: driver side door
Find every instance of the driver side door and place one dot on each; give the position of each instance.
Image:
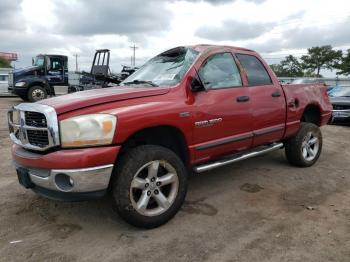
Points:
(55, 72)
(223, 111)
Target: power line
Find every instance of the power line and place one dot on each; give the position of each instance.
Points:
(133, 58)
(76, 62)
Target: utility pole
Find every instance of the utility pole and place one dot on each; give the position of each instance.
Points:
(76, 62)
(133, 60)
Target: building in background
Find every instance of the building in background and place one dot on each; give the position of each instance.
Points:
(4, 72)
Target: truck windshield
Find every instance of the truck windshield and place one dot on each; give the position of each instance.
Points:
(166, 69)
(39, 61)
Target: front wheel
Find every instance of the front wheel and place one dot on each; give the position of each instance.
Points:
(149, 186)
(305, 148)
(36, 93)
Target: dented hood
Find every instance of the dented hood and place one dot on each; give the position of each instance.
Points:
(70, 102)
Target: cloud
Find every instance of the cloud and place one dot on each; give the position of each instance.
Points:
(9, 10)
(130, 17)
(233, 30)
(218, 2)
(306, 37)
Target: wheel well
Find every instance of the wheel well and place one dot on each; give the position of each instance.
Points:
(312, 114)
(166, 136)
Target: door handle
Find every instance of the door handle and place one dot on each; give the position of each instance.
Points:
(242, 98)
(276, 94)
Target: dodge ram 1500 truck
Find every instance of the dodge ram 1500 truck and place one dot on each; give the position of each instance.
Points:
(189, 109)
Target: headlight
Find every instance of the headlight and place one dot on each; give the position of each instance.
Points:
(22, 83)
(87, 130)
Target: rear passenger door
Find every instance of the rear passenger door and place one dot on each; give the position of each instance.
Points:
(267, 101)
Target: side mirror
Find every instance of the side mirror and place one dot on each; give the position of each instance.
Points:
(32, 61)
(196, 85)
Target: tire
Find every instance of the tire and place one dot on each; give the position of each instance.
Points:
(37, 93)
(128, 191)
(305, 147)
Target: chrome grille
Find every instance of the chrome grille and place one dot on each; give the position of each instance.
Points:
(38, 138)
(10, 80)
(35, 119)
(34, 126)
(341, 107)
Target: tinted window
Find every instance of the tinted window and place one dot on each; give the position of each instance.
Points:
(256, 72)
(220, 71)
(56, 63)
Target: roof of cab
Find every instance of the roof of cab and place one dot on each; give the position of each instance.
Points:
(207, 47)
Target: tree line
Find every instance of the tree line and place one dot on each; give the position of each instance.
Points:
(4, 63)
(316, 59)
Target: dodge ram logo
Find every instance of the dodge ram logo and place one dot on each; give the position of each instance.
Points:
(206, 123)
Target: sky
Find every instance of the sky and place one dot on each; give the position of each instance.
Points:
(275, 28)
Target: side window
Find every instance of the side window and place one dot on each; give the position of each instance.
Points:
(56, 63)
(256, 72)
(220, 71)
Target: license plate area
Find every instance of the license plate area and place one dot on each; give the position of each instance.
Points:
(23, 177)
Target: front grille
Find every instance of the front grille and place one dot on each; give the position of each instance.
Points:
(38, 138)
(341, 107)
(35, 119)
(10, 80)
(34, 126)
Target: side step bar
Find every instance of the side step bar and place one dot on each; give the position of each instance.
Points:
(236, 158)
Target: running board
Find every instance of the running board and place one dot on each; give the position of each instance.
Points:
(236, 158)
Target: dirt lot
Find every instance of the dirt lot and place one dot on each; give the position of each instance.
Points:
(261, 209)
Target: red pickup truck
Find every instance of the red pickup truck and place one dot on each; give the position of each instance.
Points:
(189, 109)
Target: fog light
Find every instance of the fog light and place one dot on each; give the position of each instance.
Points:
(64, 182)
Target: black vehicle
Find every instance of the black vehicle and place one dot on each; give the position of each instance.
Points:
(340, 100)
(36, 82)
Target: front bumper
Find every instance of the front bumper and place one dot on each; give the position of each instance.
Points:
(20, 91)
(340, 116)
(71, 175)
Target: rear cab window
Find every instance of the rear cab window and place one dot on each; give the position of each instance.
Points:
(256, 72)
(220, 71)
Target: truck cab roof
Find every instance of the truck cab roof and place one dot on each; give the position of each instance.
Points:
(63, 56)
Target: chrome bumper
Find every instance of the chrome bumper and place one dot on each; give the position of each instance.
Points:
(71, 180)
(341, 113)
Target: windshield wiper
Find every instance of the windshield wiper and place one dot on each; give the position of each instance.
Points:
(137, 81)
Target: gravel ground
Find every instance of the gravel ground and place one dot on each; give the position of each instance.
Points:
(261, 209)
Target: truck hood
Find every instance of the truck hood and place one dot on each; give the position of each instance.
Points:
(25, 69)
(78, 100)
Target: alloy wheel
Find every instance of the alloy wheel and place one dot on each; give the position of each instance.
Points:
(154, 188)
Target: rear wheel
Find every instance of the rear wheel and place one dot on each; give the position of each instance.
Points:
(305, 148)
(36, 93)
(150, 186)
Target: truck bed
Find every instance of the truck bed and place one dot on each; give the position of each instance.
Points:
(299, 97)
